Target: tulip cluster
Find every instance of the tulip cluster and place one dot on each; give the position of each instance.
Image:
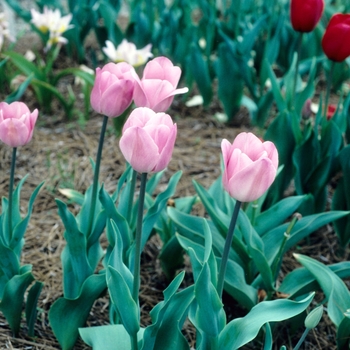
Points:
(149, 134)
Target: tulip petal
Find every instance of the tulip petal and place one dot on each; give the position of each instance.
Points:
(14, 133)
(252, 182)
(139, 149)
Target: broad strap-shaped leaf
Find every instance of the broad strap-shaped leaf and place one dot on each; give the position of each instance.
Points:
(159, 204)
(121, 296)
(106, 337)
(301, 281)
(12, 299)
(241, 331)
(74, 254)
(66, 316)
(343, 333)
(277, 214)
(32, 306)
(334, 288)
(256, 249)
(167, 319)
(304, 227)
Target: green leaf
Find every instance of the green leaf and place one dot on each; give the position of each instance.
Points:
(13, 297)
(73, 195)
(300, 281)
(122, 298)
(66, 316)
(277, 214)
(105, 337)
(334, 288)
(343, 333)
(17, 94)
(240, 331)
(31, 306)
(76, 268)
(210, 316)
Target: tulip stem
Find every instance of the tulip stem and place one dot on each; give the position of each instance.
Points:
(138, 237)
(11, 185)
(328, 90)
(96, 175)
(131, 196)
(228, 243)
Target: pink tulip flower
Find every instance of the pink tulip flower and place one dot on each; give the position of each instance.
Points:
(250, 166)
(148, 140)
(112, 92)
(16, 123)
(157, 88)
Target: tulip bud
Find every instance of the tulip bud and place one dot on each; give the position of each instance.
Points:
(16, 123)
(157, 88)
(250, 166)
(148, 140)
(305, 14)
(335, 41)
(113, 89)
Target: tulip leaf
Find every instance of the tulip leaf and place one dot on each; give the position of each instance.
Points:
(76, 268)
(32, 305)
(277, 214)
(256, 249)
(343, 333)
(240, 331)
(121, 297)
(154, 211)
(334, 288)
(300, 281)
(13, 297)
(66, 315)
(304, 227)
(104, 337)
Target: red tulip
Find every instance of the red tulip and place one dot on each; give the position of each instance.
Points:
(305, 14)
(335, 41)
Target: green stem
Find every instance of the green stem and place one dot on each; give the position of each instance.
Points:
(228, 242)
(328, 91)
(96, 175)
(138, 237)
(275, 264)
(301, 340)
(12, 179)
(296, 73)
(131, 196)
(238, 18)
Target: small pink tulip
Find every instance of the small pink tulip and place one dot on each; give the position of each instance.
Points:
(112, 92)
(16, 123)
(250, 166)
(148, 140)
(157, 87)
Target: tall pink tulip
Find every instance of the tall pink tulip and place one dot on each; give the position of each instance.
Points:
(148, 140)
(112, 92)
(157, 87)
(250, 166)
(16, 123)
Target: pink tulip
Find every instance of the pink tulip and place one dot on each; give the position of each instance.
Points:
(112, 92)
(157, 87)
(250, 166)
(16, 123)
(148, 140)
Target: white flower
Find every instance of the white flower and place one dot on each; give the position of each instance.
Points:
(127, 52)
(51, 21)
